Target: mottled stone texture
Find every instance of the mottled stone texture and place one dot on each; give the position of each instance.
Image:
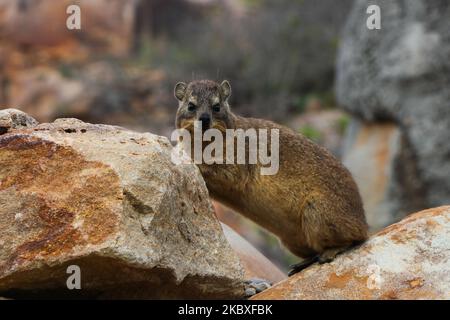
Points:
(407, 260)
(111, 201)
(401, 75)
(11, 119)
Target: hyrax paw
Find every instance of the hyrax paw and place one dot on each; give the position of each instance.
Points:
(305, 263)
(330, 254)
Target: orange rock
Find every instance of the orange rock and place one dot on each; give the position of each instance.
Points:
(112, 202)
(371, 152)
(407, 260)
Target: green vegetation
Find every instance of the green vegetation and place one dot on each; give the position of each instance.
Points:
(311, 133)
(66, 70)
(343, 123)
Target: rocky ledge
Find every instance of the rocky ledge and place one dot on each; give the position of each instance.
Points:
(110, 202)
(407, 260)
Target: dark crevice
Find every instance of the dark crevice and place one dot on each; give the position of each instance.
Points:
(137, 204)
(409, 188)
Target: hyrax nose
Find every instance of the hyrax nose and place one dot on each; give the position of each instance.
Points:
(205, 120)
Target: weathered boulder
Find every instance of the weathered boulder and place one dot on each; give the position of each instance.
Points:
(15, 119)
(112, 202)
(407, 260)
(401, 75)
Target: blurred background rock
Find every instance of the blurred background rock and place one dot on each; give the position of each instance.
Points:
(396, 83)
(280, 56)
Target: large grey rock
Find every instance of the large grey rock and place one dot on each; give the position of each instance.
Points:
(401, 74)
(112, 202)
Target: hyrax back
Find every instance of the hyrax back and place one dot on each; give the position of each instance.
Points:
(312, 204)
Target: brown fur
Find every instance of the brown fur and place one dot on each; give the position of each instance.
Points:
(312, 204)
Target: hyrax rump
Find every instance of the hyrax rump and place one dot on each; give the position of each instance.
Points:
(312, 204)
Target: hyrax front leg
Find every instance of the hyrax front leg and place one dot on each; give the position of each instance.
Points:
(324, 257)
(305, 263)
(328, 232)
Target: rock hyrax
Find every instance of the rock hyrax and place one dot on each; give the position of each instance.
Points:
(312, 203)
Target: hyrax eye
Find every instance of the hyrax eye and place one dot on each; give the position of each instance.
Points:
(191, 106)
(216, 107)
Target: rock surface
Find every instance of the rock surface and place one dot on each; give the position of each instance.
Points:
(110, 201)
(407, 260)
(386, 176)
(15, 119)
(401, 74)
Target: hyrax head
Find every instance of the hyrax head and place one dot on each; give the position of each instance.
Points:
(205, 101)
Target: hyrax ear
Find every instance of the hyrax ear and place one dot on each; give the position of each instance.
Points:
(180, 90)
(226, 89)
